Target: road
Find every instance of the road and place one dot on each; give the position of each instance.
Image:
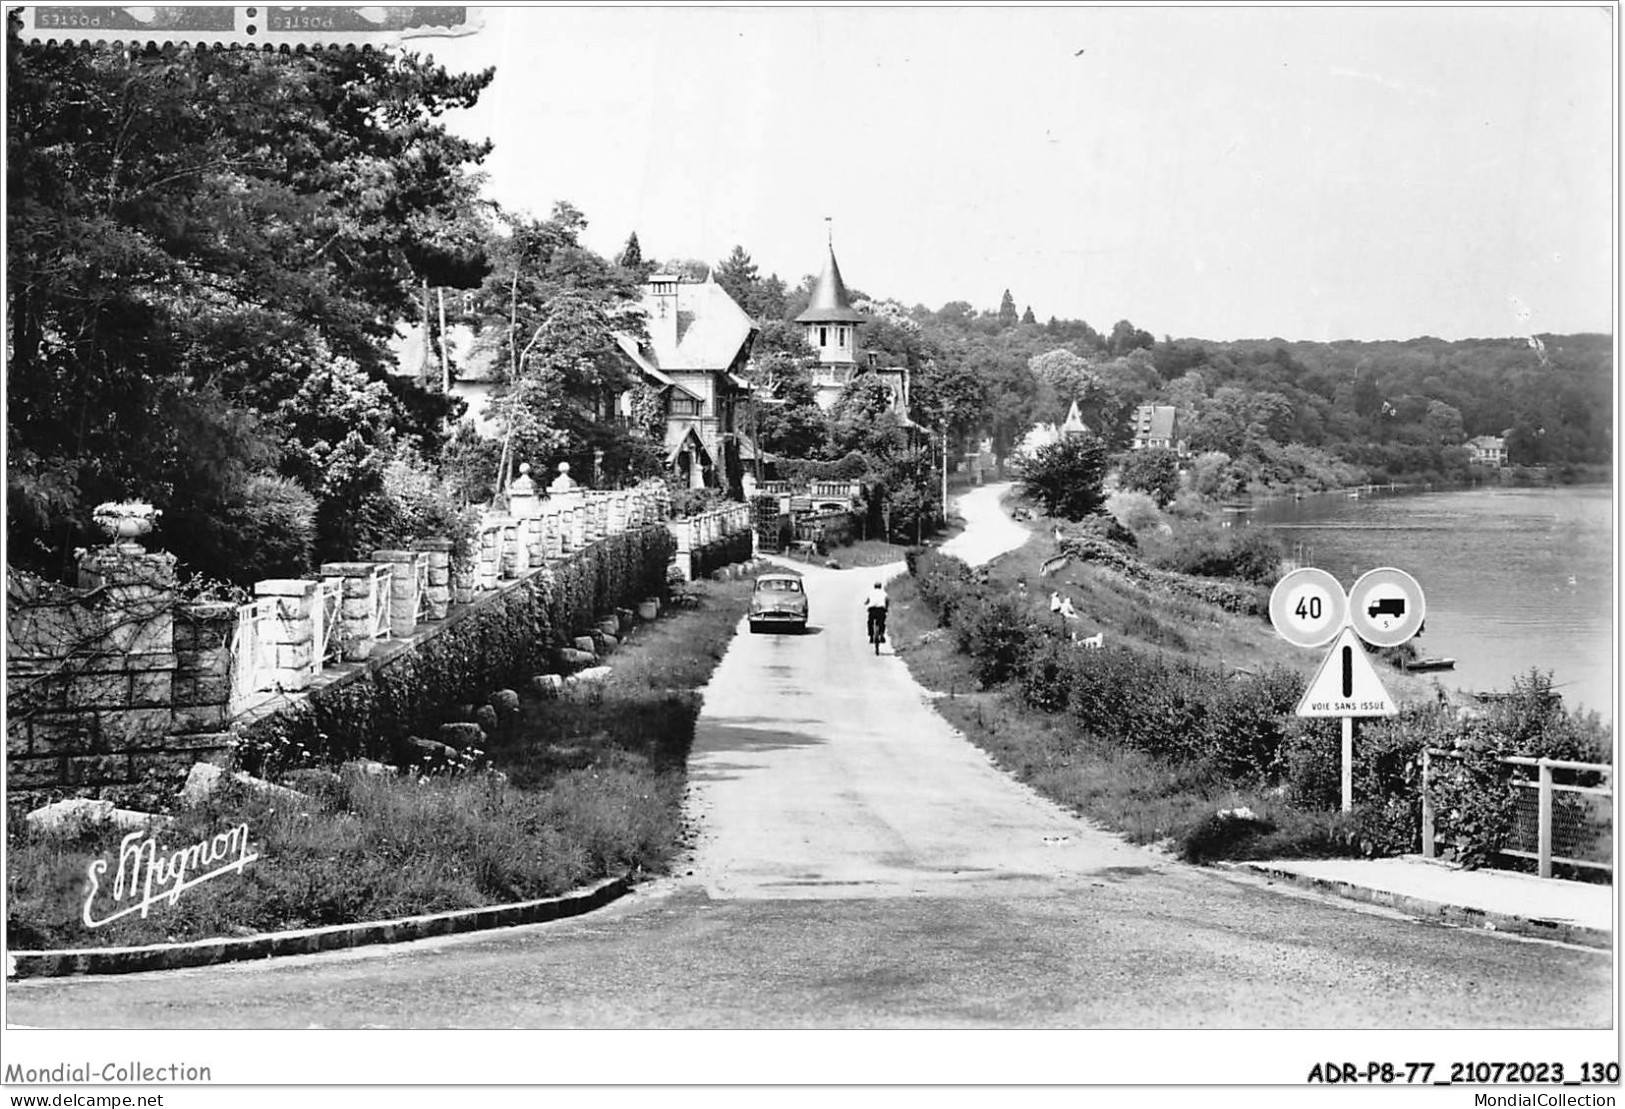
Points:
(859, 865)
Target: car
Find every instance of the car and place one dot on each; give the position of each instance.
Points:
(778, 601)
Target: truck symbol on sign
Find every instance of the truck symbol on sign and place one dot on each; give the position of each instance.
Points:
(1387, 606)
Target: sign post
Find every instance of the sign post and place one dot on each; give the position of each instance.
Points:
(1385, 608)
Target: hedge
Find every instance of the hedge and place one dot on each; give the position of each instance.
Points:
(501, 640)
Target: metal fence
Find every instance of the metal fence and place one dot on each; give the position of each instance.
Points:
(1564, 813)
(253, 653)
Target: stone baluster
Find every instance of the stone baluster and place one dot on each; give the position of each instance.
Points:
(552, 530)
(514, 558)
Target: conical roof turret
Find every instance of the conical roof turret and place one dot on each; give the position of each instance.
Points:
(830, 302)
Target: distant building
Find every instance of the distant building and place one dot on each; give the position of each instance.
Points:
(1073, 426)
(831, 327)
(1488, 450)
(1155, 425)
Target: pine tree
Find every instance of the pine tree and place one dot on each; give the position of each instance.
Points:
(631, 256)
(1028, 317)
(1007, 310)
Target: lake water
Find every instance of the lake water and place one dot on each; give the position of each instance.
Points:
(1513, 578)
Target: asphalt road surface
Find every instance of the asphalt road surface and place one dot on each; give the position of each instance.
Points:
(861, 865)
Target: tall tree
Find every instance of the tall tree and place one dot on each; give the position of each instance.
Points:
(1007, 310)
(173, 275)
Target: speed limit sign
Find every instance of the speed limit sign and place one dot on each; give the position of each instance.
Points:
(1308, 607)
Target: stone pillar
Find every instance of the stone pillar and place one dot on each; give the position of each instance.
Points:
(293, 631)
(515, 557)
(438, 553)
(525, 506)
(403, 585)
(355, 607)
(488, 559)
(202, 684)
(619, 512)
(683, 532)
(552, 534)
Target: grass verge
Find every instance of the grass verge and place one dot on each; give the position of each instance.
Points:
(1147, 799)
(580, 787)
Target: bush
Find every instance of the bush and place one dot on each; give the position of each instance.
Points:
(1247, 721)
(1135, 511)
(994, 632)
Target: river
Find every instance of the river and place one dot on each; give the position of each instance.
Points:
(1513, 578)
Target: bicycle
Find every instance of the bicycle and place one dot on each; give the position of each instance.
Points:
(877, 627)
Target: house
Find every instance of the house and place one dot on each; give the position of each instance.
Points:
(1488, 450)
(1155, 425)
(699, 343)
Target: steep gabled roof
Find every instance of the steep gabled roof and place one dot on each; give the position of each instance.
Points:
(830, 302)
(629, 347)
(712, 330)
(1074, 422)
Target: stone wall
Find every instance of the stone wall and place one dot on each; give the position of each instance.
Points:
(113, 687)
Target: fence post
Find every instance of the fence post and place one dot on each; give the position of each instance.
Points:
(1544, 850)
(438, 553)
(355, 607)
(403, 590)
(294, 629)
(1427, 807)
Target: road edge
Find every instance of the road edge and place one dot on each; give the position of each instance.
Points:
(1461, 916)
(309, 941)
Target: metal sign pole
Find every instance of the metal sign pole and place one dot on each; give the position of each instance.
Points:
(1348, 764)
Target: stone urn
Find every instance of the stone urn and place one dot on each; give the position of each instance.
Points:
(125, 522)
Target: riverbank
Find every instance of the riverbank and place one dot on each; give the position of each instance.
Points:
(1179, 729)
(577, 789)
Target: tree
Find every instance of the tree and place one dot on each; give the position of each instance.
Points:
(1068, 476)
(737, 274)
(1154, 470)
(173, 276)
(1027, 317)
(548, 317)
(1126, 337)
(1007, 310)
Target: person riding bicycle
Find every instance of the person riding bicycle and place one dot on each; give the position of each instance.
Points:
(877, 604)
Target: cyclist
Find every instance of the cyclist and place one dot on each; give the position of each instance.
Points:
(875, 601)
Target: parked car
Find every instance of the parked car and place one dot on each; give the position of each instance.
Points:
(778, 600)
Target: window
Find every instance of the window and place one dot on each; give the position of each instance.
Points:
(840, 337)
(823, 336)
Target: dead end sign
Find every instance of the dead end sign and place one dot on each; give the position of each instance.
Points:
(1346, 684)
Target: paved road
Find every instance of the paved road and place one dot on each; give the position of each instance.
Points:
(861, 865)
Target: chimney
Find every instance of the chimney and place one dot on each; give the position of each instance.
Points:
(662, 305)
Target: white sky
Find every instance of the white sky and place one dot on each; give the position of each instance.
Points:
(1304, 172)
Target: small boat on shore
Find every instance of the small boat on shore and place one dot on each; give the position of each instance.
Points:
(1430, 664)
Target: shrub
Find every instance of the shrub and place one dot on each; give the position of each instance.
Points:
(994, 632)
(1247, 720)
(1047, 677)
(1135, 511)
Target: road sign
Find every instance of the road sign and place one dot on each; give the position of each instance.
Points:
(1386, 607)
(1345, 684)
(1308, 607)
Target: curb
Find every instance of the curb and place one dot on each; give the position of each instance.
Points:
(309, 941)
(1458, 915)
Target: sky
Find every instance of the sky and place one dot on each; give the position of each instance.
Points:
(1305, 173)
